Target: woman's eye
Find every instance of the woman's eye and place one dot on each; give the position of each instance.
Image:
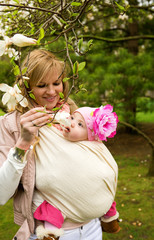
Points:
(41, 85)
(57, 83)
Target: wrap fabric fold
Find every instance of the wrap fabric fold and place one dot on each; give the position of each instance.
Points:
(86, 169)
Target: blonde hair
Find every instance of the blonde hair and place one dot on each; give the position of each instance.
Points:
(39, 63)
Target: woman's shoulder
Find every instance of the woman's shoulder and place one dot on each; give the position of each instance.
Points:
(11, 121)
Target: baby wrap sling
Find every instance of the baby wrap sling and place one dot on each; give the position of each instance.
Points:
(78, 178)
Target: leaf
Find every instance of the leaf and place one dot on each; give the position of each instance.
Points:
(12, 61)
(90, 43)
(66, 26)
(17, 1)
(16, 70)
(66, 79)
(55, 109)
(52, 32)
(49, 124)
(119, 6)
(24, 70)
(62, 21)
(81, 66)
(61, 95)
(80, 43)
(75, 67)
(70, 47)
(76, 4)
(83, 89)
(26, 84)
(32, 96)
(41, 35)
(75, 14)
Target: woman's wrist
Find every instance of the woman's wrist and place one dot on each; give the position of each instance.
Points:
(24, 145)
(18, 154)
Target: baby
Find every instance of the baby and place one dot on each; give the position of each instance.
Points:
(93, 124)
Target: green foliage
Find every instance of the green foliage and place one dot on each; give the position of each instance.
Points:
(111, 75)
(119, 78)
(6, 76)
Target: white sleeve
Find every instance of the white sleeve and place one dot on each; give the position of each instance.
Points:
(10, 174)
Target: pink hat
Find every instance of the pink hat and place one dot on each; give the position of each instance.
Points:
(101, 122)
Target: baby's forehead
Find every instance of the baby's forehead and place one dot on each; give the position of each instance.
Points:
(78, 116)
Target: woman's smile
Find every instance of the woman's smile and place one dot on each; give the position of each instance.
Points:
(50, 99)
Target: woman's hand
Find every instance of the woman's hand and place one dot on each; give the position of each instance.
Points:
(30, 122)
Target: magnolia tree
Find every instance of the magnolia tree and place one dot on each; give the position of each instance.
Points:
(40, 23)
(43, 22)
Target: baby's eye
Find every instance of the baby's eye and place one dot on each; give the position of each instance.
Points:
(80, 124)
(72, 117)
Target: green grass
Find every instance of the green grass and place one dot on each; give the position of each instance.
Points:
(145, 117)
(1, 112)
(134, 199)
(7, 226)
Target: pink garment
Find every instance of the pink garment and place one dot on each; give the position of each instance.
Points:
(112, 211)
(46, 212)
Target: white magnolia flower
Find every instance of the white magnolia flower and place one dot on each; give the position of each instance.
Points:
(12, 96)
(62, 118)
(18, 39)
(22, 41)
(11, 52)
(123, 16)
(4, 45)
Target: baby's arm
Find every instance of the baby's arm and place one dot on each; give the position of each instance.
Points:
(109, 221)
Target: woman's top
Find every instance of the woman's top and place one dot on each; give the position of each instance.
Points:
(78, 178)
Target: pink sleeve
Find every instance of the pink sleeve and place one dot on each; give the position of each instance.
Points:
(112, 211)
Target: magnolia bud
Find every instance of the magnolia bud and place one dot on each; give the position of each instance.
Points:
(22, 41)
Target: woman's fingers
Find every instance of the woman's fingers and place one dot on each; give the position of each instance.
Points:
(31, 121)
(36, 115)
(39, 121)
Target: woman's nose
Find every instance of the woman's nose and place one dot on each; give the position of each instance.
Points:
(50, 89)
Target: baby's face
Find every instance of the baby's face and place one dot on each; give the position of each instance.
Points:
(78, 129)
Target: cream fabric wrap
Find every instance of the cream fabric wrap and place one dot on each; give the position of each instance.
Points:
(79, 178)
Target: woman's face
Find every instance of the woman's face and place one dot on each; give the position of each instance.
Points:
(47, 91)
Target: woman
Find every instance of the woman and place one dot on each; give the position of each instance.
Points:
(18, 133)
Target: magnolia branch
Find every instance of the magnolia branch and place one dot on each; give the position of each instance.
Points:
(144, 7)
(82, 10)
(26, 8)
(123, 39)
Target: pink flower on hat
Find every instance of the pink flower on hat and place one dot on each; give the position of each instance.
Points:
(103, 122)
